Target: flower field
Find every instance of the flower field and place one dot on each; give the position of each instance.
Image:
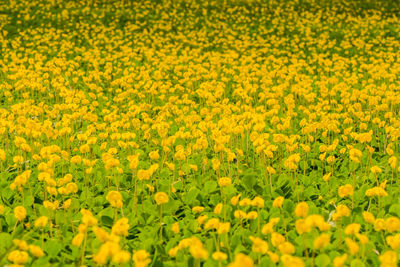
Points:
(199, 133)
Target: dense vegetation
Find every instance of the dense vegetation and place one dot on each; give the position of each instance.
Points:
(199, 133)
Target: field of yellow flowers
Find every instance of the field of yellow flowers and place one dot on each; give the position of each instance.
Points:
(199, 133)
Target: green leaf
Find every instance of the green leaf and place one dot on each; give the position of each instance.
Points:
(357, 263)
(191, 196)
(209, 187)
(249, 180)
(52, 248)
(395, 209)
(288, 206)
(6, 241)
(322, 260)
(107, 221)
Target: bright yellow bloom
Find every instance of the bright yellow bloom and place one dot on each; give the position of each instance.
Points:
(141, 258)
(219, 256)
(345, 190)
(18, 257)
(20, 213)
(41, 221)
(115, 199)
(175, 227)
(278, 202)
(161, 198)
(321, 241)
(301, 209)
(224, 181)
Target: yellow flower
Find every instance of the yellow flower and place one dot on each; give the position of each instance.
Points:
(245, 202)
(218, 208)
(202, 219)
(36, 251)
(133, 161)
(271, 170)
(141, 258)
(219, 256)
(215, 164)
(269, 227)
(355, 155)
(115, 199)
(21, 244)
(362, 238)
(392, 224)
(286, 248)
(212, 223)
(41, 221)
(235, 199)
(273, 257)
(339, 260)
(2, 155)
(326, 177)
(277, 239)
(197, 209)
(78, 239)
(175, 227)
(392, 162)
(345, 190)
(242, 260)
(18, 257)
(389, 258)
(258, 202)
(172, 252)
(302, 226)
(321, 241)
(252, 215)
(353, 247)
(120, 227)
(352, 229)
(20, 213)
(368, 217)
(291, 261)
(121, 257)
(67, 204)
(198, 252)
(101, 234)
(314, 220)
(76, 159)
(224, 181)
(239, 214)
(379, 224)
(223, 228)
(259, 245)
(393, 241)
(143, 175)
(343, 210)
(278, 202)
(301, 209)
(375, 170)
(154, 155)
(161, 198)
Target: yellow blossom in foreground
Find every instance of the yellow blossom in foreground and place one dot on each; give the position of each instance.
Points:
(141, 258)
(301, 209)
(20, 213)
(161, 198)
(18, 257)
(242, 260)
(278, 202)
(345, 190)
(389, 258)
(115, 199)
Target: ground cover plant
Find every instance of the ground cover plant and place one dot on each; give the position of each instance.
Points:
(199, 133)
